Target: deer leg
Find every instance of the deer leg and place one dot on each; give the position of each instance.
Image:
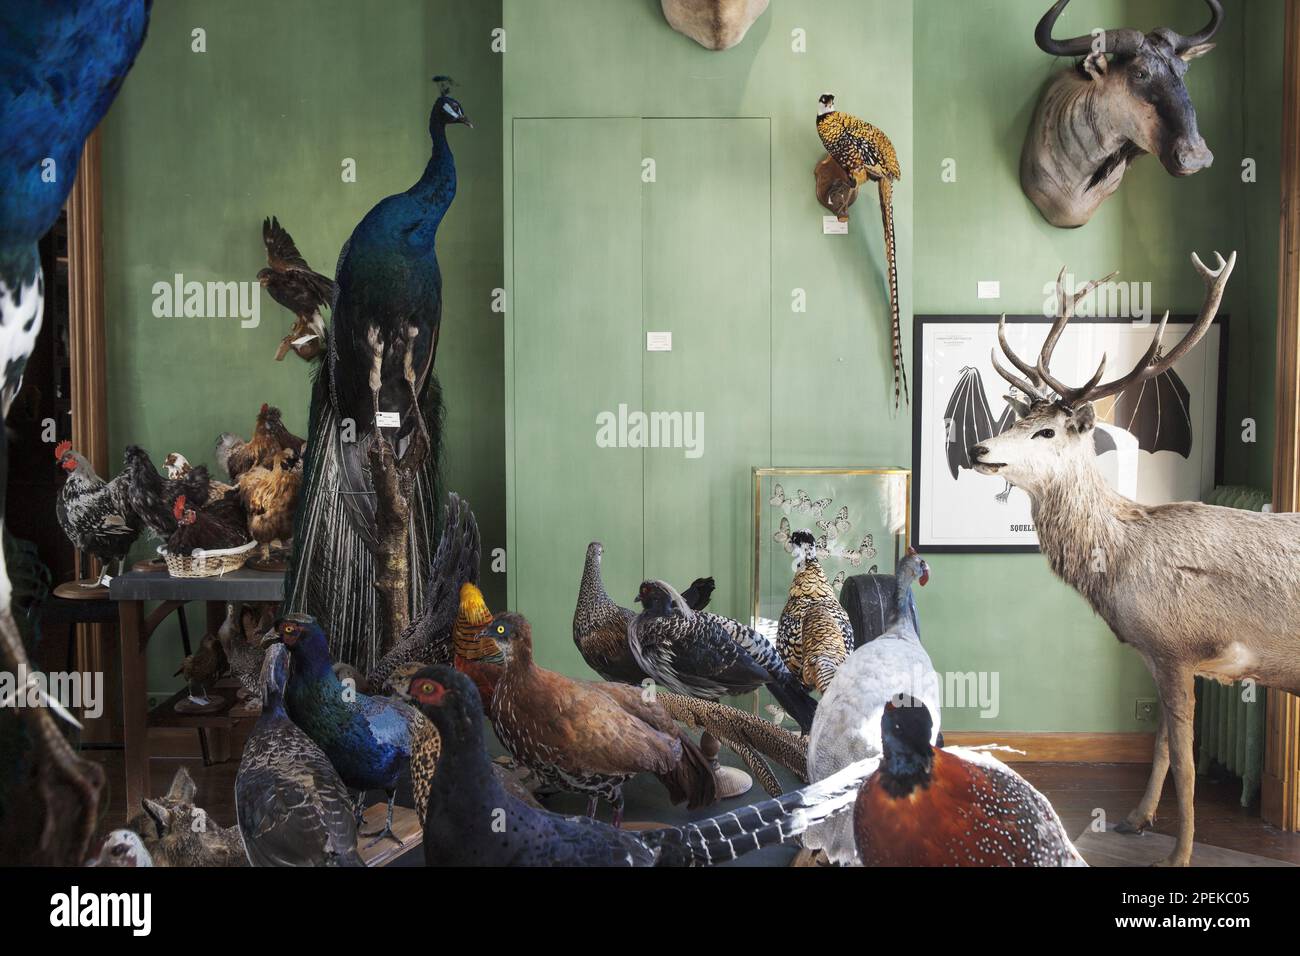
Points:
(1144, 814)
(1178, 698)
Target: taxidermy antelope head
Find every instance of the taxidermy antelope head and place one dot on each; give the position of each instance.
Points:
(713, 24)
(1193, 588)
(1125, 98)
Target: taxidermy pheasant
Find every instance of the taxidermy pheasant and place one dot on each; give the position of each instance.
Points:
(600, 626)
(864, 152)
(94, 513)
(465, 796)
(585, 737)
(293, 809)
(814, 635)
(382, 344)
(61, 66)
(847, 728)
(293, 284)
(367, 739)
(702, 654)
(951, 807)
(474, 652)
(429, 640)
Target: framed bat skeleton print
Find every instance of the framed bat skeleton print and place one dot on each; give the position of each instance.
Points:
(1158, 441)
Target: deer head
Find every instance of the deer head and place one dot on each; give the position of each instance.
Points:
(1053, 440)
(713, 24)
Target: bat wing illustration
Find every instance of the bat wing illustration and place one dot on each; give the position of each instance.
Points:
(967, 418)
(1157, 413)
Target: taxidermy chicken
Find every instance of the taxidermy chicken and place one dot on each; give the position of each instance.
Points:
(383, 341)
(293, 284)
(269, 495)
(270, 437)
(864, 152)
(950, 807)
(585, 737)
(464, 792)
(847, 728)
(429, 639)
(600, 626)
(153, 497)
(367, 739)
(293, 809)
(206, 529)
(61, 66)
(814, 635)
(93, 513)
(706, 655)
(178, 466)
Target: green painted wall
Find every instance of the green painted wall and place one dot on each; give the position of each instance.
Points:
(978, 74)
(793, 389)
(201, 146)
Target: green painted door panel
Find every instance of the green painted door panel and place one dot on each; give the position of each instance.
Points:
(707, 279)
(577, 353)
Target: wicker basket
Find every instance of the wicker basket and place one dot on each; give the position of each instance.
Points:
(207, 564)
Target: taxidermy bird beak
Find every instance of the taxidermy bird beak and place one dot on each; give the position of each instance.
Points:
(465, 120)
(272, 637)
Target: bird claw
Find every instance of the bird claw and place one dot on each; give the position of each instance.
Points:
(380, 835)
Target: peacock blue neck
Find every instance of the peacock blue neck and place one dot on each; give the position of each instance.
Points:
(437, 187)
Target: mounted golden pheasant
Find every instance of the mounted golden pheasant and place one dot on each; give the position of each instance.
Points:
(864, 152)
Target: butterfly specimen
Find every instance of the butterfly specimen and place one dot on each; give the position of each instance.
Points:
(779, 500)
(865, 552)
(840, 524)
(838, 583)
(782, 535)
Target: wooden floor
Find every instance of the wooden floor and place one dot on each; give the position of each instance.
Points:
(1076, 790)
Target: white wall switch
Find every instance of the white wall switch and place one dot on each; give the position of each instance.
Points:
(988, 289)
(658, 341)
(831, 226)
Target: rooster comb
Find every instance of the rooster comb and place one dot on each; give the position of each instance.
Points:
(61, 449)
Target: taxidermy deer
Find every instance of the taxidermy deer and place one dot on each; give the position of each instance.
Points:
(1193, 588)
(1125, 98)
(713, 24)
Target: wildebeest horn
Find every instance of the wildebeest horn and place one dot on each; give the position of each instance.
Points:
(1202, 36)
(1116, 41)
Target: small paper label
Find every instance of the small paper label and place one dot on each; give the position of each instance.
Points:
(832, 226)
(388, 420)
(988, 289)
(658, 341)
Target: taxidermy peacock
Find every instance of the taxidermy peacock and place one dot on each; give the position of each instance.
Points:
(865, 152)
(379, 368)
(61, 64)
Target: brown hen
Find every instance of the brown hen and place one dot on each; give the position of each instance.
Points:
(270, 495)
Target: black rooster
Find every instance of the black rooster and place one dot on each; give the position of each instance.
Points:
(153, 497)
(384, 330)
(706, 655)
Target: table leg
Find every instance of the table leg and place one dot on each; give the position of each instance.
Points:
(135, 702)
(218, 737)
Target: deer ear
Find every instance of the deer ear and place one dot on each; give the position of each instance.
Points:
(1193, 52)
(1084, 418)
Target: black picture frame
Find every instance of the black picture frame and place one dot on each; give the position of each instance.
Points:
(919, 326)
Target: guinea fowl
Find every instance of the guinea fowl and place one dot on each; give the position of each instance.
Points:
(950, 807)
(153, 497)
(847, 728)
(94, 513)
(428, 639)
(600, 626)
(465, 793)
(702, 654)
(814, 635)
(585, 737)
(293, 284)
(367, 739)
(382, 344)
(293, 809)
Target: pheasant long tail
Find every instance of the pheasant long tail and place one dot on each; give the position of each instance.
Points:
(891, 257)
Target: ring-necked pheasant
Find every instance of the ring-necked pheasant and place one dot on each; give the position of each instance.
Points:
(864, 152)
(814, 635)
(950, 807)
(473, 821)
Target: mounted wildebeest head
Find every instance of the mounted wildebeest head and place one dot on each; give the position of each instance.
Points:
(1126, 97)
(714, 24)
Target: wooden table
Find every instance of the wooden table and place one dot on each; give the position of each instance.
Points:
(132, 591)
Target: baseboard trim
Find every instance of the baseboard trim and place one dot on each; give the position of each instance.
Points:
(1062, 747)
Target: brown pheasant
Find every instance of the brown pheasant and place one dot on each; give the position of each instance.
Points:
(814, 635)
(864, 152)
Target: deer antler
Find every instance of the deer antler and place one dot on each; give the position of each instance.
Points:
(1150, 365)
